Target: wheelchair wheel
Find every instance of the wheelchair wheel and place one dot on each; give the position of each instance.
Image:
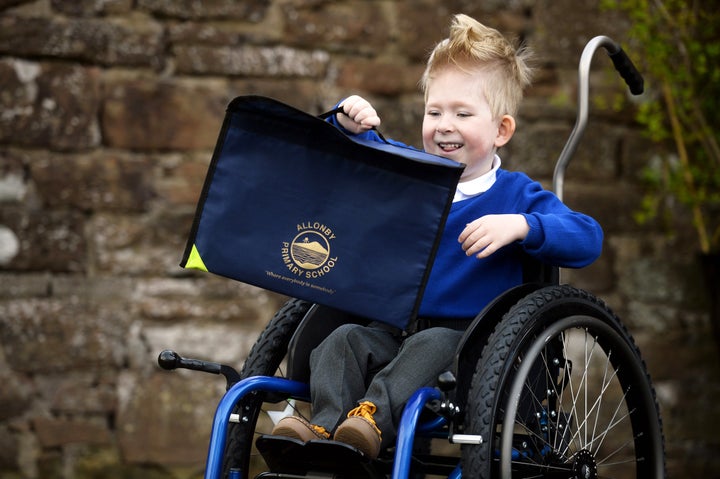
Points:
(561, 391)
(264, 359)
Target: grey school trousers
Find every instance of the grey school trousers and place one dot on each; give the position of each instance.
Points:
(374, 363)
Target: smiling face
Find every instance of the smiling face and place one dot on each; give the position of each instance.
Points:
(458, 123)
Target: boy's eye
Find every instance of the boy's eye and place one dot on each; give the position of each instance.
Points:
(433, 113)
(463, 114)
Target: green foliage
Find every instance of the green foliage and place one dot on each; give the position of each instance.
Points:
(678, 43)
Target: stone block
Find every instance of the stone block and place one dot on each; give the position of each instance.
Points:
(535, 147)
(640, 154)
(53, 433)
(663, 281)
(6, 4)
(421, 25)
(163, 115)
(9, 450)
(380, 78)
(302, 93)
(9, 245)
(247, 10)
(15, 394)
(224, 34)
(91, 288)
(243, 310)
(167, 306)
(87, 8)
(107, 182)
(354, 25)
(48, 104)
(181, 179)
(248, 60)
(13, 177)
(685, 370)
(151, 244)
(598, 278)
(116, 41)
(81, 394)
(105, 462)
(597, 159)
(204, 285)
(552, 97)
(563, 27)
(227, 344)
(612, 204)
(26, 285)
(163, 420)
(46, 336)
(48, 240)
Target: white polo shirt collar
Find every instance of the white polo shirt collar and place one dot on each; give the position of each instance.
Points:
(481, 184)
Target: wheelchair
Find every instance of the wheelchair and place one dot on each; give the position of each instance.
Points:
(547, 382)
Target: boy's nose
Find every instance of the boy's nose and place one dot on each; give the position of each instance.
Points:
(444, 125)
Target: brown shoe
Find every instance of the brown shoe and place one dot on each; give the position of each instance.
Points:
(298, 428)
(360, 431)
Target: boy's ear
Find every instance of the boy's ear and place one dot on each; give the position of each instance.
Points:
(506, 129)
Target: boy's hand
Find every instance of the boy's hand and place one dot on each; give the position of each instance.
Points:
(489, 233)
(359, 115)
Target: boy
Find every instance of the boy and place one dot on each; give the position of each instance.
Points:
(361, 376)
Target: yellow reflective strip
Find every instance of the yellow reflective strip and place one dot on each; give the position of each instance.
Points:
(195, 261)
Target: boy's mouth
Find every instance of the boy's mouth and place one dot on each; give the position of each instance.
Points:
(448, 147)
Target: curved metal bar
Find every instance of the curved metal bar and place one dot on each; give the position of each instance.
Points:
(408, 426)
(432, 425)
(583, 107)
(294, 389)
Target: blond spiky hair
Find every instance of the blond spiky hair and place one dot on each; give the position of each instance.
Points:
(473, 47)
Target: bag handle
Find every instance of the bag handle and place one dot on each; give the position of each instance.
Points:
(339, 109)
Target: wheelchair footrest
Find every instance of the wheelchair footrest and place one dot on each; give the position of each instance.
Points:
(291, 456)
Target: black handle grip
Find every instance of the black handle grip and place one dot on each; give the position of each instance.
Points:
(627, 70)
(170, 360)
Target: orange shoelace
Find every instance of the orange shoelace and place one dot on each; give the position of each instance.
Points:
(366, 409)
(320, 431)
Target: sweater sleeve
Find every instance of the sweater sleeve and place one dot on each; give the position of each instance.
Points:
(559, 235)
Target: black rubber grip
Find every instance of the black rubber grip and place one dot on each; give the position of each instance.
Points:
(627, 70)
(171, 360)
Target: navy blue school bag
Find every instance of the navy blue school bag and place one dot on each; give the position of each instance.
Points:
(293, 205)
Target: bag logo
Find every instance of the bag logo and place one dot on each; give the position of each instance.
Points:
(308, 255)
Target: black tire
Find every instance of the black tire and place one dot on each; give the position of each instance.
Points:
(264, 359)
(561, 385)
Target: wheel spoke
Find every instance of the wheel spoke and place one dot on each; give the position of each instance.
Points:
(605, 385)
(605, 462)
(614, 420)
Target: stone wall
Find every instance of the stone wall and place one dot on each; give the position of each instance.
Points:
(109, 110)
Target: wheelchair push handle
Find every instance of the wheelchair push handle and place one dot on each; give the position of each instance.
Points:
(627, 70)
(170, 360)
(629, 73)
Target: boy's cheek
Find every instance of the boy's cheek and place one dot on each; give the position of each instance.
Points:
(430, 147)
(427, 138)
